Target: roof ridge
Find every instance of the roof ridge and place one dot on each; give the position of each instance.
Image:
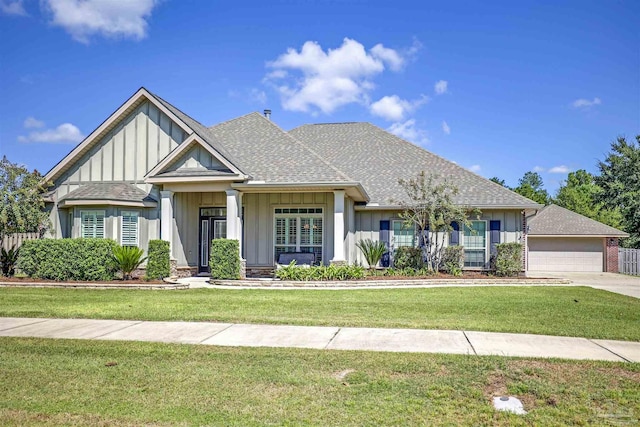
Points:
(234, 119)
(305, 146)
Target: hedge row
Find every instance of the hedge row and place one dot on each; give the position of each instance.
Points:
(68, 259)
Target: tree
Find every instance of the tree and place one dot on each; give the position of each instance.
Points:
(21, 201)
(580, 193)
(620, 182)
(498, 181)
(531, 187)
(431, 210)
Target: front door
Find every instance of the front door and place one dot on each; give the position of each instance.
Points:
(213, 225)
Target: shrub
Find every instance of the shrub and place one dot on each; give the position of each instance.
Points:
(408, 257)
(225, 259)
(128, 258)
(158, 260)
(372, 251)
(453, 260)
(508, 259)
(68, 259)
(8, 261)
(319, 273)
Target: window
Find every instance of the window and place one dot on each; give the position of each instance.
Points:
(403, 236)
(298, 230)
(475, 244)
(129, 228)
(92, 224)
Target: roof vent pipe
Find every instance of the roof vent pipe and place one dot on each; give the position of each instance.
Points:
(267, 114)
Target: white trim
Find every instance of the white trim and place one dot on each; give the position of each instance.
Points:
(66, 203)
(392, 234)
(107, 124)
(132, 213)
(184, 147)
(299, 216)
(96, 212)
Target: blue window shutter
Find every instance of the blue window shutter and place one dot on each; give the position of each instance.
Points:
(494, 236)
(384, 237)
(454, 236)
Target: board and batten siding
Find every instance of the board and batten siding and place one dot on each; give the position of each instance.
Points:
(367, 226)
(258, 224)
(125, 154)
(196, 157)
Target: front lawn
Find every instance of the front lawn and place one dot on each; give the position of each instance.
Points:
(567, 311)
(68, 382)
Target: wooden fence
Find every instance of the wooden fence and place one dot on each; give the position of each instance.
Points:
(16, 239)
(629, 261)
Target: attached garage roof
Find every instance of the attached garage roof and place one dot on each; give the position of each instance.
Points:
(109, 193)
(553, 220)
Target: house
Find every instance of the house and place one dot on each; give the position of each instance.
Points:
(150, 171)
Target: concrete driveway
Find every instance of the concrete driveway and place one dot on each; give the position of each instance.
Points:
(618, 283)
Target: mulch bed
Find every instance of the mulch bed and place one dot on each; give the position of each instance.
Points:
(134, 281)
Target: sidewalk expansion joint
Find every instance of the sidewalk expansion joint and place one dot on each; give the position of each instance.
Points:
(116, 330)
(469, 341)
(610, 351)
(332, 338)
(37, 320)
(220, 331)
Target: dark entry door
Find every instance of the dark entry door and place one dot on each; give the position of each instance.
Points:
(213, 225)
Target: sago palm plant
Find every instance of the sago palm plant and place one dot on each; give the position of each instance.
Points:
(372, 251)
(128, 258)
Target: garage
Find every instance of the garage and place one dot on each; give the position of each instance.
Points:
(561, 240)
(566, 254)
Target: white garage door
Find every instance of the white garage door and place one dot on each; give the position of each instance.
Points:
(565, 254)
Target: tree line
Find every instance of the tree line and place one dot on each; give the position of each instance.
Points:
(611, 196)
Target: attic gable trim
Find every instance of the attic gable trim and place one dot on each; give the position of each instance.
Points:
(183, 148)
(112, 119)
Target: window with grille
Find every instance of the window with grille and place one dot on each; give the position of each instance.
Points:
(92, 224)
(403, 235)
(475, 244)
(129, 228)
(299, 230)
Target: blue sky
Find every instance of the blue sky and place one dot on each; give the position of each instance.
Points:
(498, 87)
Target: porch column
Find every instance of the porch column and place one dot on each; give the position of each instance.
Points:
(234, 217)
(338, 227)
(166, 218)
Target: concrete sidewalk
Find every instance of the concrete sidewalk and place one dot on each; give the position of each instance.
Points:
(322, 337)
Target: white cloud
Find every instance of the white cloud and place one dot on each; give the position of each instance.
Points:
(409, 131)
(560, 169)
(441, 87)
(65, 133)
(109, 18)
(445, 128)
(585, 103)
(32, 122)
(538, 169)
(394, 108)
(475, 168)
(13, 7)
(312, 79)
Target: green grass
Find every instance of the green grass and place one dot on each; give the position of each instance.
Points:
(68, 382)
(537, 310)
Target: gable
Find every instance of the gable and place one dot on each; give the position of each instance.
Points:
(141, 117)
(135, 143)
(197, 157)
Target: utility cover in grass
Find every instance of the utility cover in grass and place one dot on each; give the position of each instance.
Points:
(509, 404)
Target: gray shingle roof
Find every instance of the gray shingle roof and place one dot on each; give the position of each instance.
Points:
(109, 191)
(267, 153)
(557, 221)
(378, 159)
